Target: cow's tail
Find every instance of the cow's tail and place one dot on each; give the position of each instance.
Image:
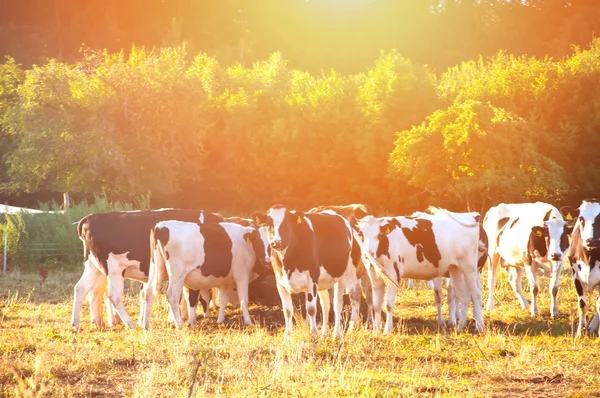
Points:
(373, 262)
(158, 267)
(437, 210)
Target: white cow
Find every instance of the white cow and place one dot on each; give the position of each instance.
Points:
(526, 237)
(221, 255)
(425, 247)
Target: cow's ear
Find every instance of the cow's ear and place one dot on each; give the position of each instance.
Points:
(569, 213)
(259, 218)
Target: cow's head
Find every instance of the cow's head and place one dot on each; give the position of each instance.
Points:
(373, 232)
(557, 239)
(280, 224)
(588, 222)
(254, 239)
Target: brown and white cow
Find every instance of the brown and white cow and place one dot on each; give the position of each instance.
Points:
(425, 247)
(311, 253)
(116, 246)
(203, 256)
(584, 256)
(526, 237)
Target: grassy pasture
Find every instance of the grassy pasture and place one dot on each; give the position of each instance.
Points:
(516, 355)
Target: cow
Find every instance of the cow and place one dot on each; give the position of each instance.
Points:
(312, 252)
(425, 247)
(203, 256)
(526, 237)
(584, 256)
(353, 213)
(116, 246)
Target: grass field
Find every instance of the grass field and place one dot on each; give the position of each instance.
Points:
(515, 356)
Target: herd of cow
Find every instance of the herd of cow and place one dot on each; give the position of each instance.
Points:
(341, 248)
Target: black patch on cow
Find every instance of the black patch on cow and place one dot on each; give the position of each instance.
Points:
(383, 249)
(193, 297)
(582, 303)
(259, 251)
(578, 286)
(202, 302)
(217, 251)
(554, 291)
(400, 259)
(512, 224)
(547, 215)
(310, 297)
(327, 244)
(355, 252)
(502, 222)
(536, 290)
(423, 239)
(482, 256)
(397, 271)
(315, 289)
(564, 238)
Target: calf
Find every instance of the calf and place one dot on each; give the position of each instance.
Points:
(203, 256)
(311, 253)
(425, 247)
(526, 237)
(115, 246)
(584, 256)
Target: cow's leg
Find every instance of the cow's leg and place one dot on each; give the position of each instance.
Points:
(242, 294)
(378, 287)
(325, 307)
(368, 289)
(390, 301)
(493, 268)
(338, 304)
(96, 299)
(411, 284)
(224, 292)
(462, 297)
(581, 288)
(142, 304)
(174, 291)
(204, 299)
(190, 304)
(534, 287)
(355, 295)
(473, 288)
(82, 288)
(311, 306)
(451, 303)
(515, 275)
(438, 296)
(553, 288)
(288, 309)
(430, 284)
(116, 285)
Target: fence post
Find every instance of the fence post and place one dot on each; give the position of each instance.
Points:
(4, 256)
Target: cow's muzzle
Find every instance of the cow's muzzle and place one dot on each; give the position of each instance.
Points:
(555, 257)
(277, 245)
(591, 243)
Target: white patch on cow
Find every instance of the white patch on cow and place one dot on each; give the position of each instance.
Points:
(201, 218)
(277, 215)
(409, 223)
(588, 211)
(296, 282)
(555, 232)
(264, 236)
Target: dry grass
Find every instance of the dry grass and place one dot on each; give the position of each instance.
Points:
(515, 356)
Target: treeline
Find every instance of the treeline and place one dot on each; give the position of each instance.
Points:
(200, 134)
(313, 35)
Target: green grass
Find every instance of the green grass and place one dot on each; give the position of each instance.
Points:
(516, 355)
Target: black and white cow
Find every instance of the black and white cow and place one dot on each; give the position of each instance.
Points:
(116, 246)
(425, 247)
(584, 256)
(526, 237)
(203, 256)
(311, 253)
(353, 213)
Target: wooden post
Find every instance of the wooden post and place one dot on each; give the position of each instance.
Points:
(66, 201)
(5, 244)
